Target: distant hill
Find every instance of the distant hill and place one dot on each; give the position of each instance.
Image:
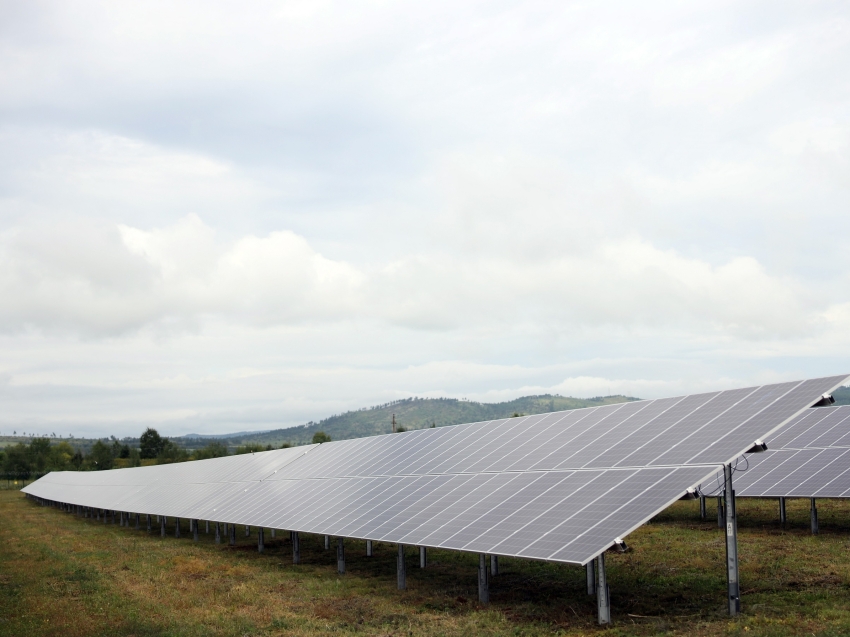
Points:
(238, 434)
(416, 413)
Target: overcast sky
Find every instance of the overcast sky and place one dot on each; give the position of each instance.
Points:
(219, 216)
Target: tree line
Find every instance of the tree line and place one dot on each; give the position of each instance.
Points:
(25, 461)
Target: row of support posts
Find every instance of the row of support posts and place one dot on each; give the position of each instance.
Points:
(485, 570)
(813, 513)
(595, 570)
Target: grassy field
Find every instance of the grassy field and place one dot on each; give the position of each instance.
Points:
(67, 576)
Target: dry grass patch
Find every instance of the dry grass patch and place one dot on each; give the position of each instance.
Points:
(67, 576)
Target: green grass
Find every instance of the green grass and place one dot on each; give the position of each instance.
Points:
(66, 576)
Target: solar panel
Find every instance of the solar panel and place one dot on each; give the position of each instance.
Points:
(560, 486)
(808, 458)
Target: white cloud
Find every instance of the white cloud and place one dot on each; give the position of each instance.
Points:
(213, 215)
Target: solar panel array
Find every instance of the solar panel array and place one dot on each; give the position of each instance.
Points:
(808, 458)
(560, 486)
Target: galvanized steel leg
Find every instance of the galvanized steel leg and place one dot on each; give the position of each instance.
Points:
(423, 557)
(138, 521)
(483, 580)
(195, 535)
(296, 548)
(494, 565)
(176, 527)
(591, 577)
(721, 516)
(208, 526)
(401, 570)
(731, 545)
(272, 533)
(783, 518)
(815, 528)
(603, 601)
(232, 535)
(149, 522)
(247, 531)
(702, 513)
(327, 542)
(340, 555)
(162, 523)
(217, 533)
(368, 548)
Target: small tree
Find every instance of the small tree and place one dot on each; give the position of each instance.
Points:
(171, 453)
(151, 443)
(212, 450)
(77, 460)
(319, 437)
(101, 456)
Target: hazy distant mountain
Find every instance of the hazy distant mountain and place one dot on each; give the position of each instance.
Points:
(238, 434)
(412, 413)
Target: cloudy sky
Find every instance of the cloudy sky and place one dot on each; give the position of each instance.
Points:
(217, 216)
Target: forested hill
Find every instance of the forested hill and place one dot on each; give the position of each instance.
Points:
(418, 413)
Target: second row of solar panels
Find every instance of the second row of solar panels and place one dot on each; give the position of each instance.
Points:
(809, 458)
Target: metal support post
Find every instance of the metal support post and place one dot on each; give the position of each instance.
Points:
(702, 513)
(368, 548)
(783, 517)
(273, 533)
(176, 527)
(232, 535)
(590, 567)
(247, 531)
(138, 521)
(721, 516)
(97, 512)
(162, 523)
(423, 557)
(207, 522)
(261, 545)
(149, 522)
(401, 570)
(340, 555)
(327, 542)
(603, 601)
(731, 545)
(815, 528)
(483, 580)
(494, 565)
(217, 533)
(195, 529)
(296, 547)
